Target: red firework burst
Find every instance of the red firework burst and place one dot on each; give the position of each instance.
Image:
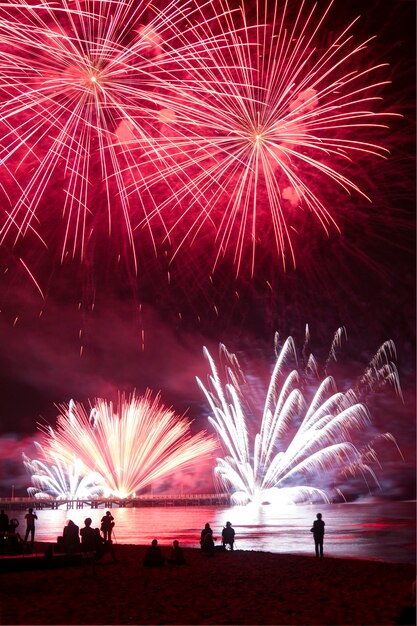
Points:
(274, 126)
(241, 129)
(78, 81)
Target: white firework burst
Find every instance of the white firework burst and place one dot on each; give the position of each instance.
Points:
(300, 445)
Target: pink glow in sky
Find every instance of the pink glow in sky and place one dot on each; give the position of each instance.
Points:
(175, 176)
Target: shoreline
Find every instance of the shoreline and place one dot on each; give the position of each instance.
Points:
(385, 531)
(240, 587)
(40, 547)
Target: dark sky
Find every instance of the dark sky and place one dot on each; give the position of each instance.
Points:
(102, 329)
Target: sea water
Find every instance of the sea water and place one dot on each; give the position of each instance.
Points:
(379, 530)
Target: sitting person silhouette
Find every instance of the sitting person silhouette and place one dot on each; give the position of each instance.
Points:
(203, 535)
(104, 547)
(228, 536)
(88, 546)
(206, 540)
(14, 540)
(14, 523)
(176, 556)
(71, 537)
(153, 555)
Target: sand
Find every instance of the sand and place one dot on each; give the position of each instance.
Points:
(240, 587)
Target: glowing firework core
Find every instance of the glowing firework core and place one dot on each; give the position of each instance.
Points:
(115, 452)
(300, 448)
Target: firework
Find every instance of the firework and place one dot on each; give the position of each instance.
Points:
(61, 481)
(186, 121)
(300, 445)
(119, 449)
(269, 130)
(77, 81)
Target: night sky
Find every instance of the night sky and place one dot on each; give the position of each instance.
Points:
(100, 328)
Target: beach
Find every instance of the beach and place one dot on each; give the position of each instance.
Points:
(240, 587)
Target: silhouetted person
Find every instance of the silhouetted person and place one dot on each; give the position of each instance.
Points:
(176, 556)
(30, 526)
(107, 524)
(206, 540)
(99, 544)
(4, 522)
(318, 534)
(104, 547)
(204, 533)
(13, 537)
(71, 537)
(153, 555)
(228, 535)
(89, 545)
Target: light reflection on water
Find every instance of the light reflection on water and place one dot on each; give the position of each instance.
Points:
(381, 530)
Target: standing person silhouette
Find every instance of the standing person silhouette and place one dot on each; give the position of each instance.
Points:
(30, 526)
(318, 534)
(107, 524)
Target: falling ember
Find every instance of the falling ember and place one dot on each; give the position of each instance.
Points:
(304, 450)
(116, 450)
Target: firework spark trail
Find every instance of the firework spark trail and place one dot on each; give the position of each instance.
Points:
(297, 441)
(75, 81)
(264, 117)
(382, 369)
(61, 480)
(131, 447)
(197, 119)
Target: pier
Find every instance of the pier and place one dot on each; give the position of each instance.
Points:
(148, 500)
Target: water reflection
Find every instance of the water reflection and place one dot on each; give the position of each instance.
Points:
(383, 531)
